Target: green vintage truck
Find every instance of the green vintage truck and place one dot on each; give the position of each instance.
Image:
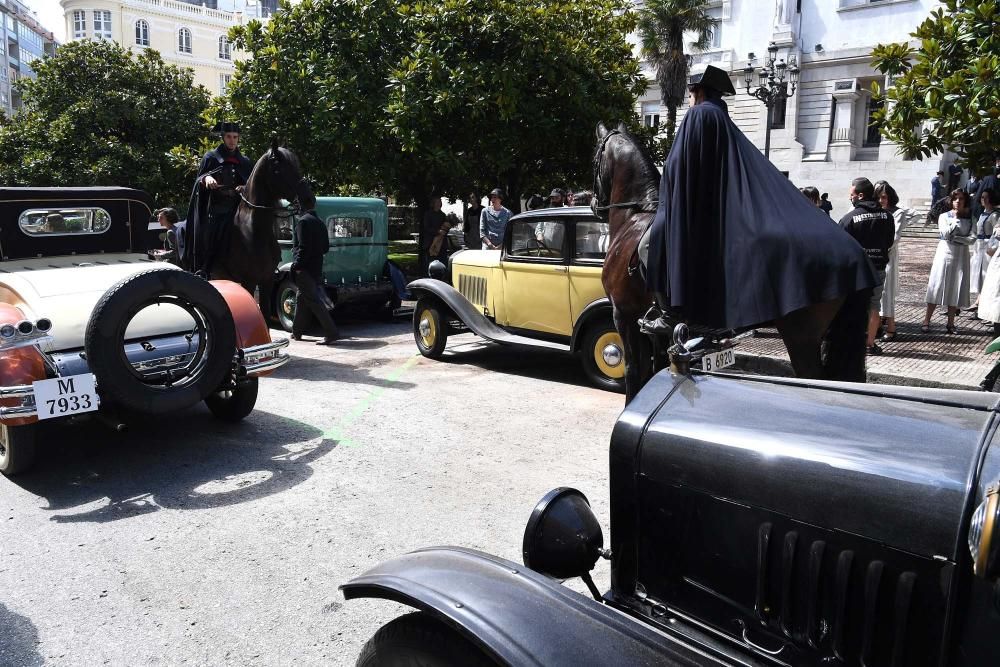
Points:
(354, 268)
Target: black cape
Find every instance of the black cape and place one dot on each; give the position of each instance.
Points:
(735, 244)
(197, 216)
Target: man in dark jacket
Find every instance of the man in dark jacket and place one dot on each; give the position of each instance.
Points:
(874, 228)
(310, 241)
(990, 181)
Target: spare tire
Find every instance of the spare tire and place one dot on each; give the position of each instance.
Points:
(119, 383)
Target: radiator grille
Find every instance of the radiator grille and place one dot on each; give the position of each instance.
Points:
(473, 288)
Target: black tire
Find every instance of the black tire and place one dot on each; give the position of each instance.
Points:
(234, 404)
(118, 383)
(430, 328)
(420, 640)
(602, 374)
(18, 445)
(285, 298)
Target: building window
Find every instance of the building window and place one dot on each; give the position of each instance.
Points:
(102, 24)
(224, 80)
(651, 114)
(141, 33)
(184, 40)
(873, 137)
(715, 42)
(79, 24)
(225, 50)
(778, 112)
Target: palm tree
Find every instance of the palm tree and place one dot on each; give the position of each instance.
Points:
(662, 24)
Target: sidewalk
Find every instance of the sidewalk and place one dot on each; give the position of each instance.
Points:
(936, 359)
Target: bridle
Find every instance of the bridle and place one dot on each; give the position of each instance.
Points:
(293, 208)
(597, 207)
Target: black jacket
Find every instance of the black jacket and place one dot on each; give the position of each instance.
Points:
(310, 241)
(237, 166)
(874, 228)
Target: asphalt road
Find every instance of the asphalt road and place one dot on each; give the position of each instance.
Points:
(188, 541)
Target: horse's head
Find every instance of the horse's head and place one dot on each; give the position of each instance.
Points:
(282, 174)
(624, 175)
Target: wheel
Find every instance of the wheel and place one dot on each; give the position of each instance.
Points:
(284, 303)
(160, 389)
(420, 640)
(604, 357)
(17, 448)
(234, 404)
(429, 327)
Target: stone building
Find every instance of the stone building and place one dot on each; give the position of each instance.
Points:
(24, 40)
(823, 135)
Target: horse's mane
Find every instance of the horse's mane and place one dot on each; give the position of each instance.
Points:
(646, 169)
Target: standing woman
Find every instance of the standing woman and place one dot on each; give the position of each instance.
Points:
(983, 228)
(887, 198)
(949, 281)
(989, 297)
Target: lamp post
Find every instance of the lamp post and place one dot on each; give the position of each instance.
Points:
(775, 81)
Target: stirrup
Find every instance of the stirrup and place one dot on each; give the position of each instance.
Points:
(655, 322)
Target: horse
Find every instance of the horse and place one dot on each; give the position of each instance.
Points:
(252, 254)
(824, 341)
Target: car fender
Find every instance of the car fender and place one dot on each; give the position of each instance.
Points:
(515, 615)
(600, 308)
(251, 329)
(19, 366)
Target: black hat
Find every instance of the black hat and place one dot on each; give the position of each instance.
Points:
(557, 192)
(497, 192)
(222, 127)
(713, 78)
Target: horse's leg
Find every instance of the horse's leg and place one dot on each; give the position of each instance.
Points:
(265, 290)
(802, 331)
(638, 367)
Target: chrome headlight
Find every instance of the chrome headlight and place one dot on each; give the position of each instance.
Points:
(983, 543)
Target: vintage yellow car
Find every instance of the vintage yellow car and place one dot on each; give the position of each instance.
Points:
(542, 290)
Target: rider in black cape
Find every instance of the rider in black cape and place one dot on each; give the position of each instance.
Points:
(214, 199)
(734, 244)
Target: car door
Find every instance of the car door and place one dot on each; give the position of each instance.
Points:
(589, 246)
(536, 277)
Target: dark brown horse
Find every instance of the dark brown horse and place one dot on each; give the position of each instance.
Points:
(626, 187)
(252, 254)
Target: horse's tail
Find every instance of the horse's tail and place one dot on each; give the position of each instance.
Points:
(847, 339)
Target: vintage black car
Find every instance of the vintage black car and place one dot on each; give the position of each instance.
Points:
(754, 521)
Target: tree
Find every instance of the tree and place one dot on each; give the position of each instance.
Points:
(439, 96)
(944, 95)
(662, 24)
(99, 115)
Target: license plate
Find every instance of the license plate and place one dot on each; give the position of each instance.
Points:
(718, 360)
(64, 396)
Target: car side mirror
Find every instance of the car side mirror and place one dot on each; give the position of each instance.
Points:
(984, 542)
(563, 538)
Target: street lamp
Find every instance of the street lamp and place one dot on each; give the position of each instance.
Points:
(775, 81)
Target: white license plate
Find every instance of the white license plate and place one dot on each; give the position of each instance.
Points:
(718, 360)
(64, 396)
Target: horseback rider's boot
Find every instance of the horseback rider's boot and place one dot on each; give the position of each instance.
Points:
(655, 320)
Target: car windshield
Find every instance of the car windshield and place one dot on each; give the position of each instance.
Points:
(61, 221)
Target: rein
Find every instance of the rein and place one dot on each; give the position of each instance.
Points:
(641, 204)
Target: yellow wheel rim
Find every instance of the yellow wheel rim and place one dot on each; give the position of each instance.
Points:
(427, 328)
(609, 355)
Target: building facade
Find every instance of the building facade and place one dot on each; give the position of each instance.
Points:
(24, 40)
(823, 134)
(185, 33)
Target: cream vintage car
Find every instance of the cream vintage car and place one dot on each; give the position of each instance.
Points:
(91, 326)
(542, 290)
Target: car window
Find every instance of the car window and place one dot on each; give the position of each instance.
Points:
(64, 221)
(543, 238)
(591, 240)
(356, 228)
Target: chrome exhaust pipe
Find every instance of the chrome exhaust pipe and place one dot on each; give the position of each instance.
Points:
(43, 325)
(25, 327)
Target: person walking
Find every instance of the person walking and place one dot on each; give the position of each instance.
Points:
(493, 221)
(310, 241)
(889, 201)
(873, 228)
(470, 225)
(949, 280)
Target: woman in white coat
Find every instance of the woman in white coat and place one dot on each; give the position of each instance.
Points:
(887, 198)
(989, 297)
(949, 281)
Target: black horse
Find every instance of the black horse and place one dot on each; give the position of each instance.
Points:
(626, 186)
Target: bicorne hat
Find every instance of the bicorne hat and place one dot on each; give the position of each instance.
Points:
(713, 78)
(222, 127)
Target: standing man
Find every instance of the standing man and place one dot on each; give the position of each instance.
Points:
(216, 195)
(493, 221)
(557, 198)
(954, 176)
(937, 187)
(310, 241)
(875, 229)
(433, 230)
(470, 227)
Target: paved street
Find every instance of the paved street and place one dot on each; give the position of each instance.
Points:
(188, 541)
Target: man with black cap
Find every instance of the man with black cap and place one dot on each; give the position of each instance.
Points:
(733, 243)
(215, 197)
(557, 198)
(310, 241)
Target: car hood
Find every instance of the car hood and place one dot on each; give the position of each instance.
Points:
(483, 258)
(66, 290)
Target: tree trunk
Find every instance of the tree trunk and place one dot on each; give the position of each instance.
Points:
(671, 122)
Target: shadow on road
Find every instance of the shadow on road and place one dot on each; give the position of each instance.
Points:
(549, 365)
(320, 370)
(184, 461)
(18, 641)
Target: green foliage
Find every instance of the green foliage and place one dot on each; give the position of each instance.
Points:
(98, 115)
(944, 95)
(439, 95)
(661, 25)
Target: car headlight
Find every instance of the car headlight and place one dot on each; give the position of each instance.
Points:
(983, 542)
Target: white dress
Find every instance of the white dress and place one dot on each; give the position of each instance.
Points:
(980, 260)
(903, 217)
(949, 281)
(989, 296)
